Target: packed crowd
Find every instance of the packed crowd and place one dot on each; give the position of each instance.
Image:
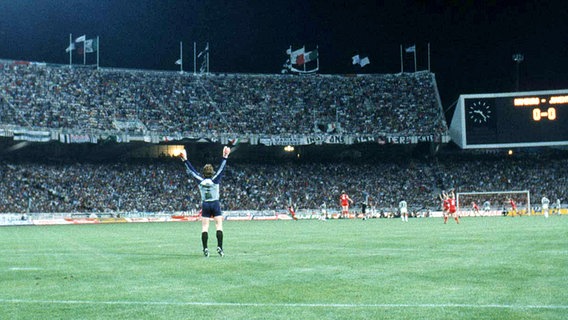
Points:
(164, 185)
(87, 100)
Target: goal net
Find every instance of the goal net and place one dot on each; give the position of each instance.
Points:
(493, 203)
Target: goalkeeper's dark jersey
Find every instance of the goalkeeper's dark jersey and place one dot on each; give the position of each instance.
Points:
(208, 187)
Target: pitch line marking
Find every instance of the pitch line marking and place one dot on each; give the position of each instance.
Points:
(291, 305)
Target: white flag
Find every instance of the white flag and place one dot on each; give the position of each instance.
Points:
(81, 38)
(205, 51)
(71, 47)
(178, 61)
(356, 59)
(411, 49)
(365, 61)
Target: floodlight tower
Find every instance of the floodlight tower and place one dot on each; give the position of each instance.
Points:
(518, 58)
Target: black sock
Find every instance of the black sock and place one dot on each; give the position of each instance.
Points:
(220, 239)
(204, 237)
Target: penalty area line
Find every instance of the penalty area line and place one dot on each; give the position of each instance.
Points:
(290, 305)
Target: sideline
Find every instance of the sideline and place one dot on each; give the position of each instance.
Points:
(289, 305)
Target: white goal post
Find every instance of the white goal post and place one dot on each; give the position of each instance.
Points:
(493, 203)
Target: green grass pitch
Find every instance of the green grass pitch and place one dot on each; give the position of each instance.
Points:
(483, 268)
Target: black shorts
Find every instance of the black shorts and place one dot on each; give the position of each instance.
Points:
(211, 209)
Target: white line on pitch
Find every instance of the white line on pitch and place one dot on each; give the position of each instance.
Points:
(292, 305)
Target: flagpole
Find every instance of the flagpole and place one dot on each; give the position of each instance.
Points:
(84, 52)
(181, 57)
(98, 50)
(304, 59)
(70, 50)
(401, 61)
(428, 56)
(207, 57)
(318, 59)
(415, 58)
(194, 57)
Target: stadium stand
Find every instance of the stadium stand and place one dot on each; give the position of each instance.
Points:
(162, 185)
(84, 101)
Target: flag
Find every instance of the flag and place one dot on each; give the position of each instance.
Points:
(307, 57)
(32, 135)
(81, 38)
(203, 67)
(91, 45)
(311, 56)
(178, 61)
(356, 59)
(205, 51)
(294, 55)
(300, 60)
(411, 49)
(80, 47)
(71, 47)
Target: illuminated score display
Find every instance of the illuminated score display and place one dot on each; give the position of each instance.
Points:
(538, 113)
(511, 120)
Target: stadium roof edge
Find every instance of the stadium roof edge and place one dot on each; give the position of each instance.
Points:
(512, 93)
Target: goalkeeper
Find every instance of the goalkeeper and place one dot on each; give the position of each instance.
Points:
(210, 206)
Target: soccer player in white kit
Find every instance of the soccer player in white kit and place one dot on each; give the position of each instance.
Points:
(545, 202)
(403, 207)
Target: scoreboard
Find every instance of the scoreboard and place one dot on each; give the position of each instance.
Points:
(521, 119)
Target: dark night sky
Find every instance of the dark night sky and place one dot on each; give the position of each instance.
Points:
(472, 42)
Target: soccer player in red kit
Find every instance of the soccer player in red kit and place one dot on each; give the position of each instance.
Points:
(475, 208)
(449, 204)
(445, 205)
(513, 207)
(292, 212)
(344, 201)
(453, 207)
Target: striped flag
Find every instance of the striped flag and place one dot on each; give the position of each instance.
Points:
(91, 45)
(311, 56)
